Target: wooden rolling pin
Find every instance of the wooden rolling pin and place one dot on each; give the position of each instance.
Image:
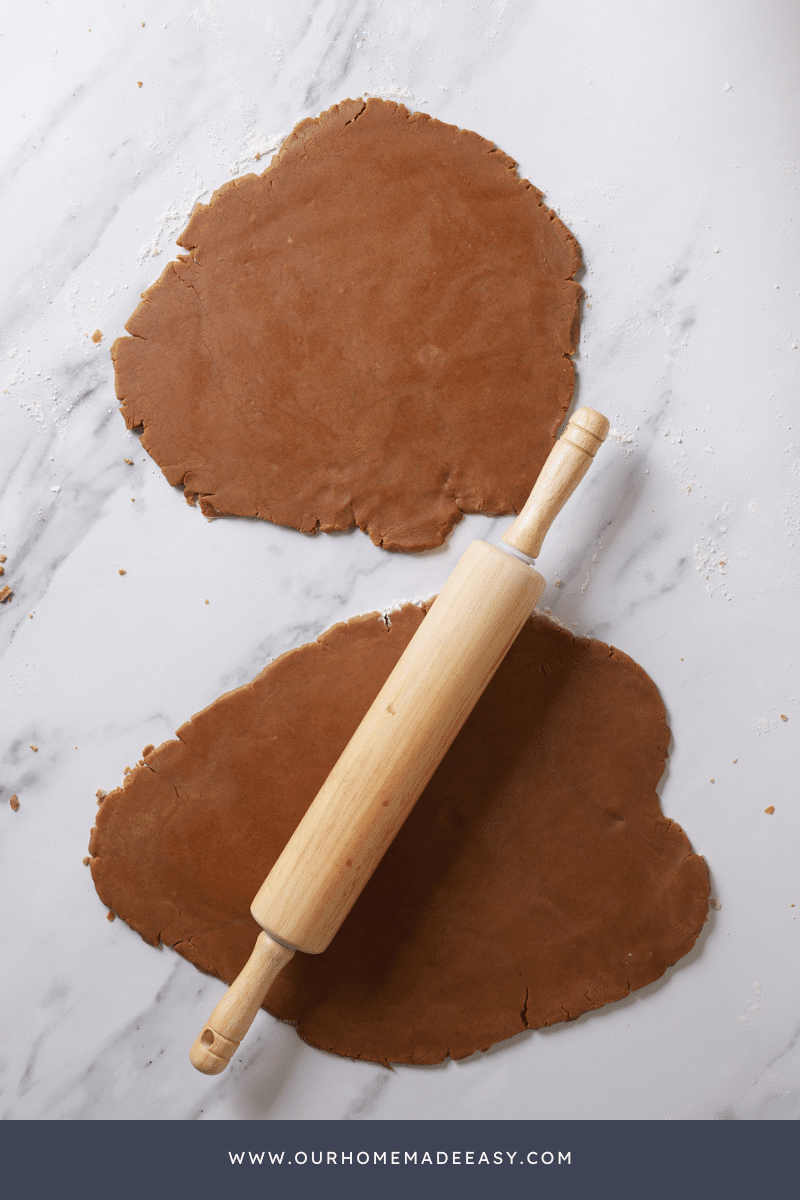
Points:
(398, 745)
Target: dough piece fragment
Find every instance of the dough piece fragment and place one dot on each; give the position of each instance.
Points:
(375, 332)
(531, 882)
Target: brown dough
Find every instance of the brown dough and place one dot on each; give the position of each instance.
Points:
(535, 879)
(374, 332)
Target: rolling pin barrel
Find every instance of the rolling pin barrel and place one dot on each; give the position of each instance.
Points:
(398, 745)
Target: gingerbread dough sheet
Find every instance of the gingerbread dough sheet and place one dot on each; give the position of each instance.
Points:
(374, 332)
(535, 879)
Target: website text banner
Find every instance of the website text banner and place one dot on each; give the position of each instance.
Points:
(145, 1160)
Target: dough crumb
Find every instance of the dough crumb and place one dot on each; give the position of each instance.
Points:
(139, 83)
(205, 602)
(2, 558)
(784, 717)
(769, 811)
(122, 571)
(711, 781)
(127, 771)
(34, 747)
(2, 570)
(86, 860)
(101, 795)
(14, 802)
(97, 336)
(5, 594)
(736, 760)
(715, 903)
(111, 915)
(129, 461)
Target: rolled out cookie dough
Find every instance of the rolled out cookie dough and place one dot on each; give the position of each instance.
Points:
(374, 332)
(535, 879)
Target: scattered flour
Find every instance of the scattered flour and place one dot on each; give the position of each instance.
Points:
(171, 222)
(594, 191)
(204, 15)
(788, 163)
(711, 558)
(393, 91)
(770, 721)
(588, 579)
(257, 150)
(625, 441)
(755, 1007)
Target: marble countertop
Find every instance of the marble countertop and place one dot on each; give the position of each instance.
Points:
(665, 136)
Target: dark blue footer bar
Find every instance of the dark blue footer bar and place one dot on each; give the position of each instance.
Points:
(147, 1160)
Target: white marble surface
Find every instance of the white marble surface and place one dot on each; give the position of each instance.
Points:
(665, 135)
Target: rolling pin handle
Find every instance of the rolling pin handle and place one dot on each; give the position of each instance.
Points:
(229, 1022)
(568, 462)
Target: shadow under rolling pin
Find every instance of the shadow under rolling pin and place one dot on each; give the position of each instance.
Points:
(399, 744)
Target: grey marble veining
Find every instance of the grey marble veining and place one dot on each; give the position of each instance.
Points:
(666, 138)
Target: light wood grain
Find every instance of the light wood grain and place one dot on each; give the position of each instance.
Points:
(397, 747)
(229, 1022)
(566, 465)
